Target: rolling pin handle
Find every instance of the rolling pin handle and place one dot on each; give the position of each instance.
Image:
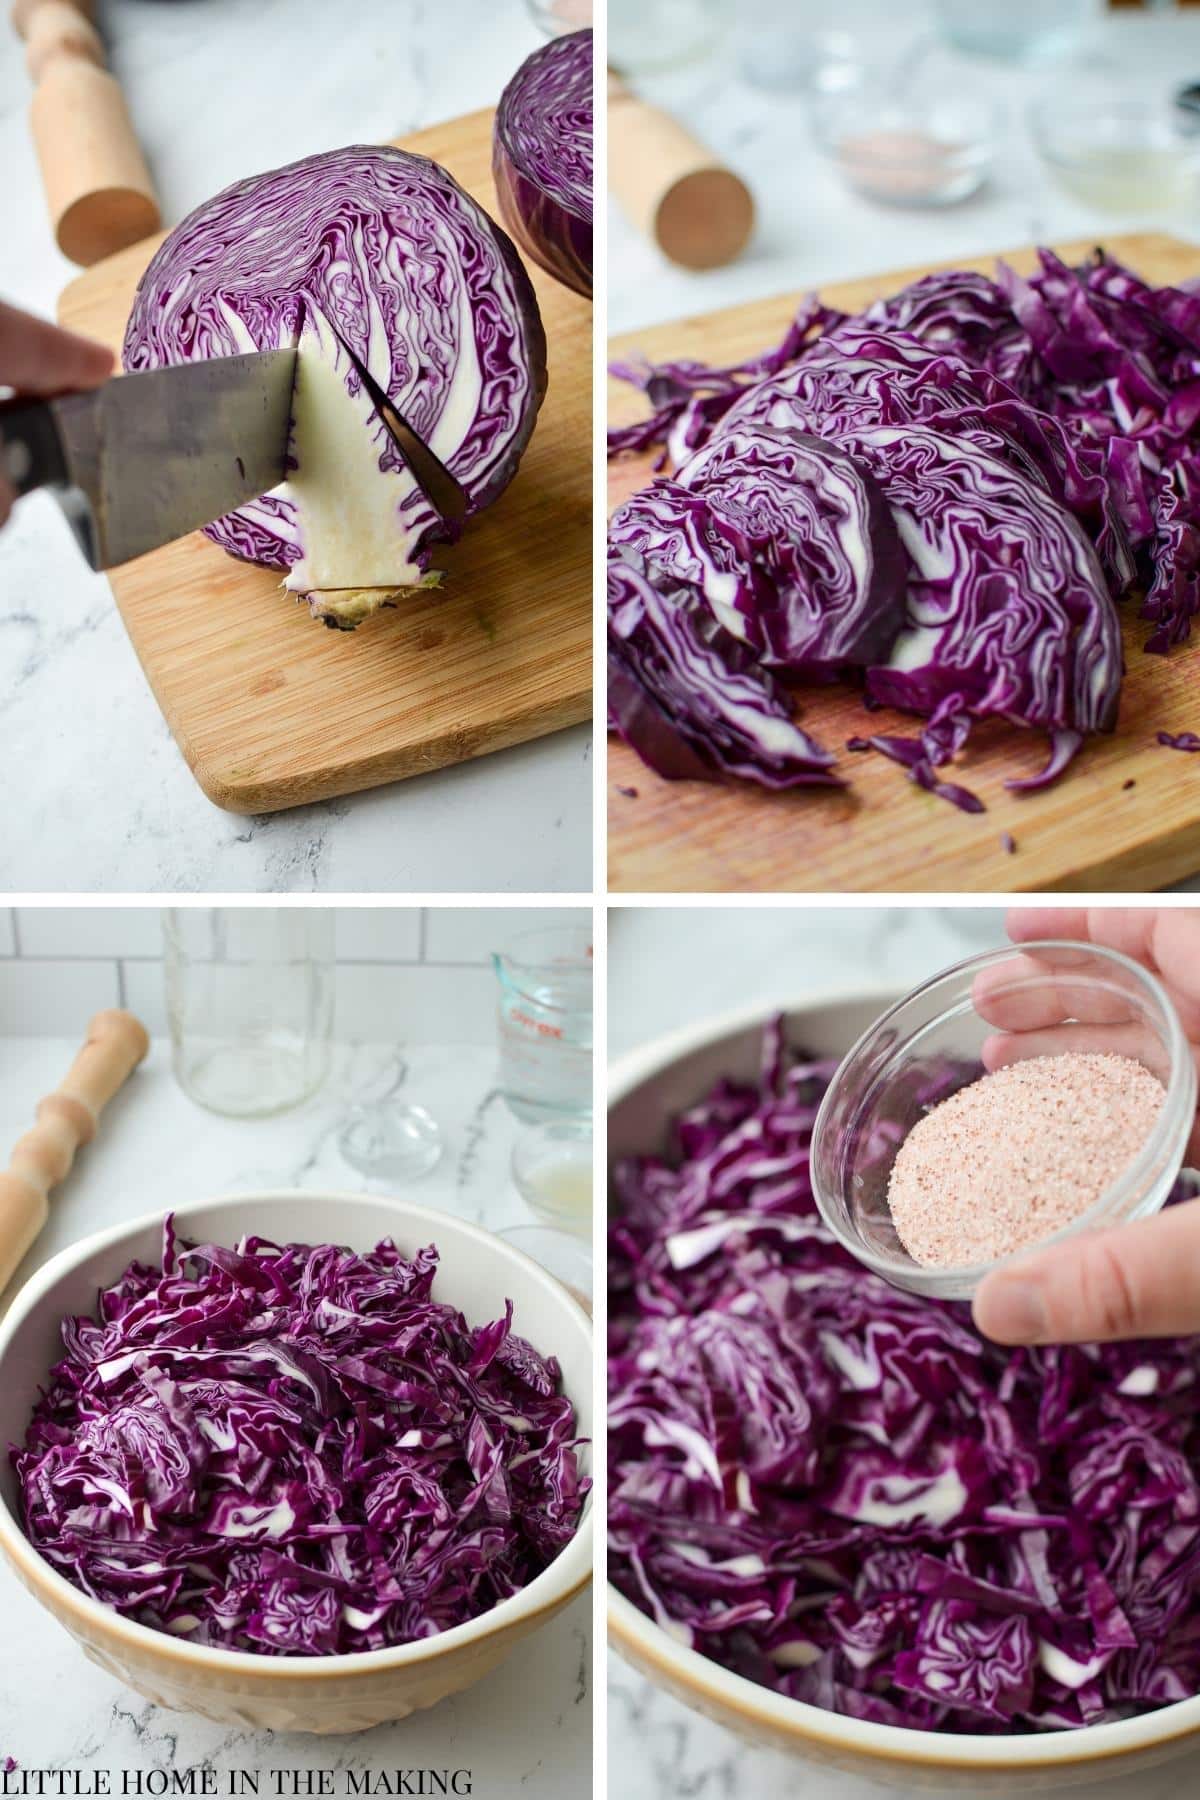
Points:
(699, 213)
(42, 1158)
(98, 189)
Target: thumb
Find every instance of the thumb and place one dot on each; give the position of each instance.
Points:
(39, 358)
(1140, 1280)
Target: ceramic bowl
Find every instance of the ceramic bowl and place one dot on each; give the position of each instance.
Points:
(295, 1693)
(646, 1089)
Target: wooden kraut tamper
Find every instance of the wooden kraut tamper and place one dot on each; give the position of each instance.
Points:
(116, 1043)
(672, 187)
(98, 187)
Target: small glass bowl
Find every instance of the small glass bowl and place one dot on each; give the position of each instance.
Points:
(567, 1257)
(906, 151)
(552, 1169)
(1119, 154)
(1040, 999)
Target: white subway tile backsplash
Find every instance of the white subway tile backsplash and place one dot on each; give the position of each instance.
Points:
(144, 995)
(378, 934)
(374, 1003)
(471, 933)
(402, 976)
(52, 999)
(89, 930)
(415, 1005)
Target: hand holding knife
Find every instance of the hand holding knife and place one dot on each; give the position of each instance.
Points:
(38, 358)
(141, 460)
(149, 457)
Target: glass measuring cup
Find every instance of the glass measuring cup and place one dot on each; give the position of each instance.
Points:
(544, 1022)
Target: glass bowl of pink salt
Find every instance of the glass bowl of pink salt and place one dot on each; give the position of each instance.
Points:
(1021, 1096)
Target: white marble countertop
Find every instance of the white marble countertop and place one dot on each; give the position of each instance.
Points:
(674, 967)
(527, 1728)
(94, 793)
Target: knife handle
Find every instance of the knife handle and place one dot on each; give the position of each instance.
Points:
(32, 456)
(31, 452)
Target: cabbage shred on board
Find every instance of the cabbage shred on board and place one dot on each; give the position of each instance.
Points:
(1038, 444)
(844, 1493)
(297, 1451)
(542, 158)
(366, 253)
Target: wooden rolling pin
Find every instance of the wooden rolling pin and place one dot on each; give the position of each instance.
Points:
(116, 1043)
(672, 187)
(97, 185)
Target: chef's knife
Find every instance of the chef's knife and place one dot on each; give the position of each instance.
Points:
(149, 457)
(441, 488)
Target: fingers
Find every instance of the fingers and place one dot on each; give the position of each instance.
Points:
(1132, 1038)
(37, 358)
(1163, 939)
(1140, 1280)
(1025, 923)
(1026, 992)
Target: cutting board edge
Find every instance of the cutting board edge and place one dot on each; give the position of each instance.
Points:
(1140, 866)
(245, 797)
(623, 341)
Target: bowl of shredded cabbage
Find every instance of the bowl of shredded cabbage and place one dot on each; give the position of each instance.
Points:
(293, 1460)
(841, 1522)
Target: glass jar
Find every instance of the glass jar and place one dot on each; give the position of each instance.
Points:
(1039, 999)
(250, 1004)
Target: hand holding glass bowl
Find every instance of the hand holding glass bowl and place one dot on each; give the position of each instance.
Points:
(1044, 999)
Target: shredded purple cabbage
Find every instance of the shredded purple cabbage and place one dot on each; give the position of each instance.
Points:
(1038, 443)
(297, 1451)
(915, 759)
(1180, 740)
(843, 1492)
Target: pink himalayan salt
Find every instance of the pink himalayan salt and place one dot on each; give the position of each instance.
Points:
(1018, 1155)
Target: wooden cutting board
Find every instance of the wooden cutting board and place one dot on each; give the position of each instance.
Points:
(1126, 816)
(272, 709)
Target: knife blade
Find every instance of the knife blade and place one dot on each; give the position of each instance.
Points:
(441, 489)
(151, 456)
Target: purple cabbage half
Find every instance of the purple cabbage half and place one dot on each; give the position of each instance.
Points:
(542, 158)
(788, 539)
(846, 1494)
(1008, 612)
(815, 523)
(689, 697)
(380, 251)
(297, 1451)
